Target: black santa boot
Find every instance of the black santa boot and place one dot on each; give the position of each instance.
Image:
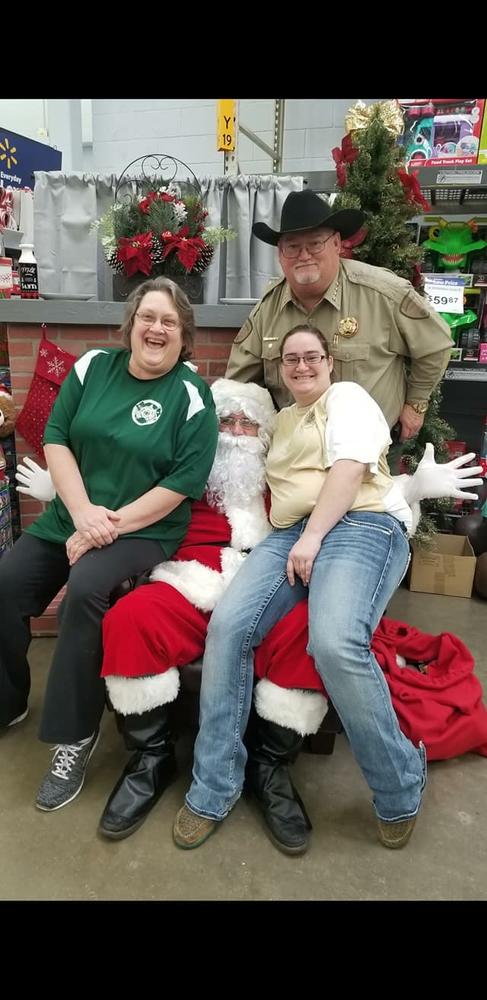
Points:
(271, 748)
(150, 770)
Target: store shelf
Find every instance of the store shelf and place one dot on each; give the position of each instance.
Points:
(466, 371)
(457, 191)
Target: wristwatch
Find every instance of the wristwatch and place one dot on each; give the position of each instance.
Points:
(420, 407)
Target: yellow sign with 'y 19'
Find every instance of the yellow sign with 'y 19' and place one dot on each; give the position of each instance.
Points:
(226, 124)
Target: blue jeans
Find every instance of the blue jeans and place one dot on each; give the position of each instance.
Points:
(359, 566)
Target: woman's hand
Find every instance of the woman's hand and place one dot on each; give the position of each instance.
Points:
(302, 556)
(76, 546)
(96, 524)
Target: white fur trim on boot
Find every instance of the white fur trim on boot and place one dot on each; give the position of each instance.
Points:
(302, 711)
(135, 695)
(199, 584)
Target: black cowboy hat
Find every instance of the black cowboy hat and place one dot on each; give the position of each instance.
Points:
(304, 210)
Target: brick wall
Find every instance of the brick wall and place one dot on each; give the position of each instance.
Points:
(212, 348)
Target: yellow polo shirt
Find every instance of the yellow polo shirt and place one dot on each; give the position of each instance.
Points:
(344, 423)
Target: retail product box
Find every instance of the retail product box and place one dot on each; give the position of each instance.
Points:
(483, 140)
(446, 568)
(442, 132)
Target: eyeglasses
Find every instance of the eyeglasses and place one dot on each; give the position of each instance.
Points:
(246, 425)
(309, 358)
(169, 323)
(292, 250)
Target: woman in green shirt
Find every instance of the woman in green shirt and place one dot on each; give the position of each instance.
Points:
(129, 443)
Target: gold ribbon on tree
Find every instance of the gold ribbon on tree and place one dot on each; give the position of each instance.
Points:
(361, 115)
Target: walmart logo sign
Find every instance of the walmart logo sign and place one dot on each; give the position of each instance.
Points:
(20, 157)
(7, 153)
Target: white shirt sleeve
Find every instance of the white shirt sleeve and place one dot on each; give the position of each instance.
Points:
(355, 427)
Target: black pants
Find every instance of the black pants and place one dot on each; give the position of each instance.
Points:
(31, 574)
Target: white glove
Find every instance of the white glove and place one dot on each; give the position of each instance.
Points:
(449, 479)
(36, 482)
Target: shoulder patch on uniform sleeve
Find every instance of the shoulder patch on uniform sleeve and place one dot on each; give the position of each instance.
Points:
(82, 364)
(413, 306)
(244, 332)
(247, 328)
(195, 401)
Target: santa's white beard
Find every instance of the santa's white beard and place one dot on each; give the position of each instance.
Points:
(238, 472)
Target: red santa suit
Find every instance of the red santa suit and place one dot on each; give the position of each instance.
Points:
(162, 626)
(159, 628)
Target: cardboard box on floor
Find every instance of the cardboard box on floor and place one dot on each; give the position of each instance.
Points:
(447, 568)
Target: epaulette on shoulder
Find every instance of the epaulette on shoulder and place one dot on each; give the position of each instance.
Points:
(273, 283)
(379, 278)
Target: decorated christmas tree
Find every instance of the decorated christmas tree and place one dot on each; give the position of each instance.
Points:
(371, 175)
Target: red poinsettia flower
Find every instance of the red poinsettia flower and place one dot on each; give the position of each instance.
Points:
(146, 202)
(412, 189)
(187, 251)
(134, 252)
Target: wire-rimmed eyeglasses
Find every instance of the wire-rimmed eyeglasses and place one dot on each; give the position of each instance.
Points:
(168, 322)
(245, 423)
(309, 358)
(292, 249)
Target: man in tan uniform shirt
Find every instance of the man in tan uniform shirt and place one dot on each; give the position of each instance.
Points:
(373, 320)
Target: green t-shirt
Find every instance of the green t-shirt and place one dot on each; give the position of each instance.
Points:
(129, 435)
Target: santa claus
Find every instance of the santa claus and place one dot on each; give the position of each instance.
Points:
(159, 628)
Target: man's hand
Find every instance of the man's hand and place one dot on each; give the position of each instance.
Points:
(302, 557)
(411, 422)
(96, 524)
(449, 479)
(76, 546)
(36, 482)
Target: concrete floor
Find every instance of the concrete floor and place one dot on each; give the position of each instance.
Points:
(60, 856)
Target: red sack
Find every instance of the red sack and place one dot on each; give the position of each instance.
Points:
(52, 366)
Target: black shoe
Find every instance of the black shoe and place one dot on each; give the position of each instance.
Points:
(288, 824)
(150, 770)
(137, 791)
(271, 748)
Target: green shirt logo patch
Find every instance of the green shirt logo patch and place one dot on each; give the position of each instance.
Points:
(146, 411)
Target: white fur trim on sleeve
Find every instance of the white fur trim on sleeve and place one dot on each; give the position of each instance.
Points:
(302, 711)
(135, 695)
(199, 584)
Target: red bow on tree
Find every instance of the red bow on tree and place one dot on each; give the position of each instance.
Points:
(135, 253)
(347, 154)
(346, 249)
(412, 189)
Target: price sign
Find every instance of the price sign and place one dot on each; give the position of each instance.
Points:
(445, 294)
(226, 120)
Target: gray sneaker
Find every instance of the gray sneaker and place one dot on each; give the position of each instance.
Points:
(64, 781)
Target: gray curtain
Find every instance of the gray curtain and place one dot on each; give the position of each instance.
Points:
(70, 257)
(242, 267)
